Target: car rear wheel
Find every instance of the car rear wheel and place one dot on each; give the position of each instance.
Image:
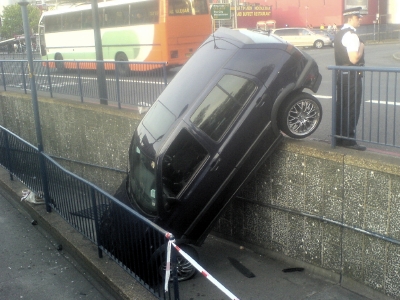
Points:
(318, 44)
(185, 270)
(300, 115)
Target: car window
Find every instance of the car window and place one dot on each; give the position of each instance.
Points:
(304, 32)
(158, 120)
(184, 156)
(286, 32)
(220, 108)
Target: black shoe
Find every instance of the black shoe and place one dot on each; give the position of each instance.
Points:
(355, 147)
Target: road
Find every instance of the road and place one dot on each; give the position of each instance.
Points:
(142, 90)
(32, 264)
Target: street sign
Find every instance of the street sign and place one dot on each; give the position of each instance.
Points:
(221, 11)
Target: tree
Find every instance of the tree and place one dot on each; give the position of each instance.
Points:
(12, 20)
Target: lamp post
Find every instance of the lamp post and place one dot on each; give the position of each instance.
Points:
(24, 10)
(100, 70)
(306, 15)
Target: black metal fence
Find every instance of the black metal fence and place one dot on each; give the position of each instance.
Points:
(379, 32)
(379, 108)
(128, 83)
(135, 243)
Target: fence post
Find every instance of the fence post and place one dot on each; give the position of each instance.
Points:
(174, 266)
(49, 78)
(23, 76)
(174, 273)
(8, 156)
(165, 75)
(80, 81)
(43, 171)
(117, 82)
(35, 105)
(96, 221)
(333, 126)
(3, 76)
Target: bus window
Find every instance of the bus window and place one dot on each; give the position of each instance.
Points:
(53, 23)
(179, 7)
(144, 13)
(200, 7)
(87, 22)
(116, 16)
(187, 7)
(72, 21)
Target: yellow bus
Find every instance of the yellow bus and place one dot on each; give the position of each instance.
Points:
(131, 30)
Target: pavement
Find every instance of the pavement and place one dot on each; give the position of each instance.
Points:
(43, 257)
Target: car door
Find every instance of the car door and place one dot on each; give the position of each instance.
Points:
(225, 125)
(307, 37)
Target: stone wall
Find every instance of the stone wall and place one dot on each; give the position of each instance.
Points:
(333, 211)
(90, 140)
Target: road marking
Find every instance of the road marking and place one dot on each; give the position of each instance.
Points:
(383, 102)
(368, 101)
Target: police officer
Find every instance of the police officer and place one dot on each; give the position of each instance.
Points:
(349, 51)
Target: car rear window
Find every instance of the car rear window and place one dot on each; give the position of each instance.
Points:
(286, 32)
(222, 105)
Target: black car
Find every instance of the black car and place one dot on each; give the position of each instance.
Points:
(215, 123)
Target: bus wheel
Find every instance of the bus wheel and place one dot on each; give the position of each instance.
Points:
(120, 65)
(59, 62)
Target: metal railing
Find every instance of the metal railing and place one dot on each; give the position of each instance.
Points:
(379, 109)
(131, 240)
(128, 83)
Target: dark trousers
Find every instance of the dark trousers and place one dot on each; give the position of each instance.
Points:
(348, 103)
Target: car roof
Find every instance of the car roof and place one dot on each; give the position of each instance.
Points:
(244, 37)
(289, 28)
(216, 53)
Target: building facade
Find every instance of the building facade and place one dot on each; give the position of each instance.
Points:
(310, 13)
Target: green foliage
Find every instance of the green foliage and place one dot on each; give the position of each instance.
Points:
(12, 20)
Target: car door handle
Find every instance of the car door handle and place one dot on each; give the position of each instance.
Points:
(260, 102)
(215, 164)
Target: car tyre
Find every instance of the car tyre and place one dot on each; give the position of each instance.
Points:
(300, 115)
(185, 270)
(318, 44)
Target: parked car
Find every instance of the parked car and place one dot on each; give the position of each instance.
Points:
(214, 125)
(328, 33)
(302, 37)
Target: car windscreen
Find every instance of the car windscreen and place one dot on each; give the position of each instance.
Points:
(181, 161)
(142, 179)
(222, 105)
(158, 120)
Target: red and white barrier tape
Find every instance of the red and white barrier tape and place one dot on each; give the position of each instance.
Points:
(196, 265)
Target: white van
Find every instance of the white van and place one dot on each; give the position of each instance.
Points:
(302, 37)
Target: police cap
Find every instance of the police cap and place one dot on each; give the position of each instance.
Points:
(354, 11)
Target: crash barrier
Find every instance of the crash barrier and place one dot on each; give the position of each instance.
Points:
(116, 229)
(380, 105)
(127, 83)
(379, 32)
(139, 246)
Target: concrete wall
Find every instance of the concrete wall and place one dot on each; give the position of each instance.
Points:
(333, 211)
(92, 139)
(314, 205)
